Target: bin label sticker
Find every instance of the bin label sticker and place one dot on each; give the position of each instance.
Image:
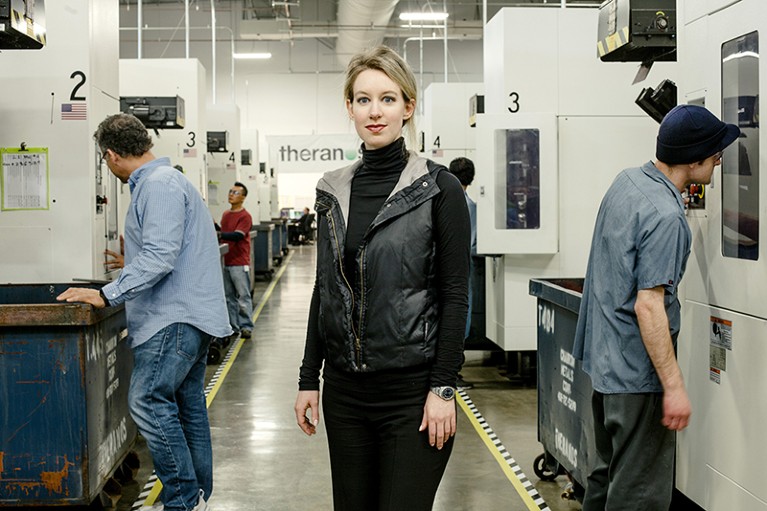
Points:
(566, 448)
(720, 332)
(567, 370)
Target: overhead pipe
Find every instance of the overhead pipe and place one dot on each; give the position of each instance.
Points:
(140, 23)
(186, 27)
(213, 44)
(444, 36)
(231, 35)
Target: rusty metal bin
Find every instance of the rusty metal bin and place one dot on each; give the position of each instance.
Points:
(64, 376)
(565, 422)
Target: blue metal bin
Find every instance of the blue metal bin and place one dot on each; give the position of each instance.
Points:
(277, 241)
(565, 422)
(261, 248)
(64, 376)
(281, 225)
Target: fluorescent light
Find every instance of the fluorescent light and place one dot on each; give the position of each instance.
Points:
(423, 16)
(410, 25)
(251, 56)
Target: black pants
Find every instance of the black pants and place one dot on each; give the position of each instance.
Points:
(378, 458)
(634, 466)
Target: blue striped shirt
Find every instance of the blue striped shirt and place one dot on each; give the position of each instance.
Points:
(172, 268)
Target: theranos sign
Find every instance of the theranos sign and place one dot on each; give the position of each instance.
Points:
(312, 153)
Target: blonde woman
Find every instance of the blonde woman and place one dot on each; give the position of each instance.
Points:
(389, 307)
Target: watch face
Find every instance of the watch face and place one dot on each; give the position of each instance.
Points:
(448, 393)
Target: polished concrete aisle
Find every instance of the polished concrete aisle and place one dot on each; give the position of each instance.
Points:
(262, 461)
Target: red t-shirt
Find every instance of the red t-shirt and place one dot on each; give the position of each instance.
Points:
(239, 251)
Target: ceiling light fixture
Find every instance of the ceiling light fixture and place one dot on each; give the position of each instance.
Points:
(411, 25)
(423, 16)
(252, 56)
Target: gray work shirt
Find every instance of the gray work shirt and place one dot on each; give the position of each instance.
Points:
(641, 241)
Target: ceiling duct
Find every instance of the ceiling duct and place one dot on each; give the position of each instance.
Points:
(361, 25)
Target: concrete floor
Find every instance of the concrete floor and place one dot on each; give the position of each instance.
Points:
(262, 461)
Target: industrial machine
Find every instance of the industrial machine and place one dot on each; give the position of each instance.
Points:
(218, 141)
(723, 340)
(160, 84)
(548, 147)
(64, 368)
(60, 202)
(156, 112)
(447, 131)
(637, 31)
(223, 158)
(253, 174)
(22, 24)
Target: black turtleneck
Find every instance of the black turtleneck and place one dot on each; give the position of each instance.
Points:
(371, 186)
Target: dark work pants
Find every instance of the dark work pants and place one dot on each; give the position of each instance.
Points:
(635, 454)
(379, 460)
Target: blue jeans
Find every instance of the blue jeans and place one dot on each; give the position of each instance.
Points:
(238, 301)
(167, 401)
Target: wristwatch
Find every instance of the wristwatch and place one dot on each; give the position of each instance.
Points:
(446, 393)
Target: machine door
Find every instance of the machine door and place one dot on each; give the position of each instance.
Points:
(730, 250)
(517, 209)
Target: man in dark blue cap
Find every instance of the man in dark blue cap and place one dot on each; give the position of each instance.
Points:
(629, 316)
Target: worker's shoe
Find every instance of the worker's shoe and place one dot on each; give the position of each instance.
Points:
(201, 504)
(245, 333)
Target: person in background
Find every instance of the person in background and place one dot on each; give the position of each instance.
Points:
(300, 227)
(173, 293)
(235, 232)
(629, 316)
(305, 225)
(463, 169)
(388, 311)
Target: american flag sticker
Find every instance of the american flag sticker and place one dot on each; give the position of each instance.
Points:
(74, 112)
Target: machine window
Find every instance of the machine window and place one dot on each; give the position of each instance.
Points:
(517, 179)
(740, 163)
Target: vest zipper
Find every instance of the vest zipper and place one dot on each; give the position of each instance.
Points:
(357, 345)
(362, 302)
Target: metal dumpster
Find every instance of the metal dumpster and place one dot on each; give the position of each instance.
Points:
(261, 249)
(565, 423)
(282, 225)
(64, 376)
(278, 239)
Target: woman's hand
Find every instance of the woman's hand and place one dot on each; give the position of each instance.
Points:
(308, 400)
(439, 418)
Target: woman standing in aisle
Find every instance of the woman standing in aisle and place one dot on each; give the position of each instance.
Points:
(389, 306)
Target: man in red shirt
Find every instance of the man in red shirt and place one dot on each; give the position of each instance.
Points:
(235, 231)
